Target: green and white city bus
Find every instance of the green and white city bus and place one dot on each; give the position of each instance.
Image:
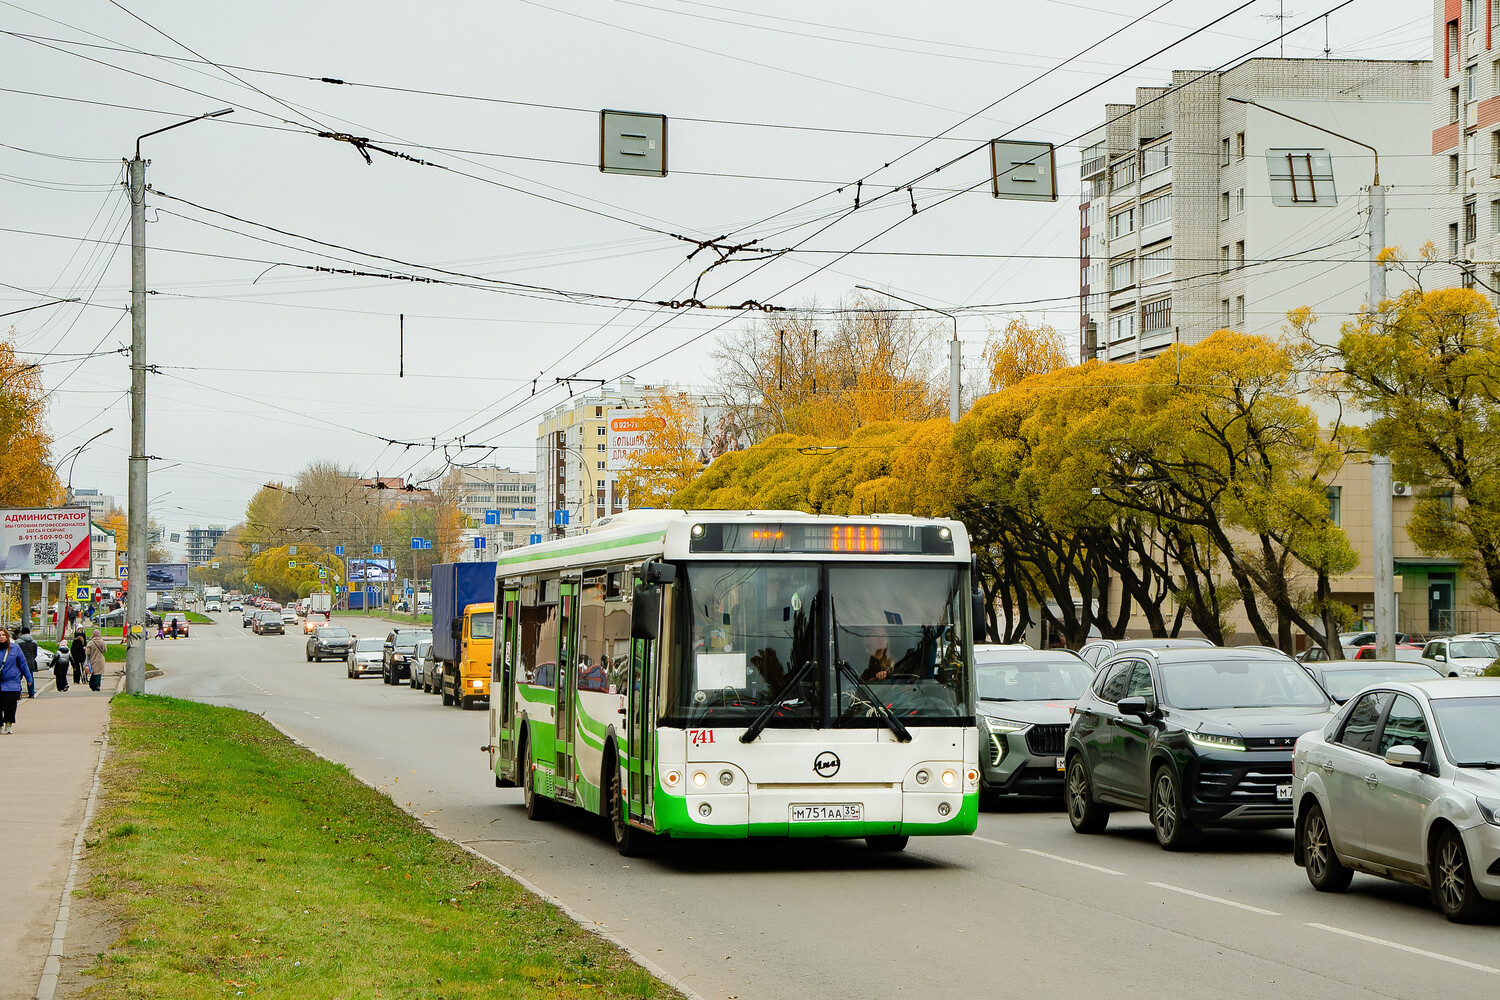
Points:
(735, 674)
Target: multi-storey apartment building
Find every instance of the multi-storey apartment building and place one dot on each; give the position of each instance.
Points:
(1201, 212)
(574, 484)
(498, 505)
(201, 542)
(1466, 140)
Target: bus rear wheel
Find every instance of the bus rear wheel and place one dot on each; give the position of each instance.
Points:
(538, 808)
(889, 843)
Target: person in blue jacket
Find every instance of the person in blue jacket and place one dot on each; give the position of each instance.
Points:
(13, 669)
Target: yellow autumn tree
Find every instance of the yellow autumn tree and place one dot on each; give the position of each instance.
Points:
(26, 476)
(668, 458)
(1021, 350)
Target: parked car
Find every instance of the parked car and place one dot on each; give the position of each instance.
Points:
(329, 642)
(1461, 655)
(116, 619)
(268, 623)
(1405, 784)
(421, 666)
(1343, 678)
(399, 646)
(1400, 651)
(1097, 651)
(1026, 699)
(1195, 737)
(314, 621)
(365, 656)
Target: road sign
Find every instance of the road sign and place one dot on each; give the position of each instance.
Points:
(535, 539)
(1023, 170)
(416, 543)
(492, 517)
(213, 565)
(375, 550)
(124, 572)
(560, 517)
(292, 564)
(255, 547)
(338, 550)
(291, 550)
(426, 543)
(479, 541)
(633, 143)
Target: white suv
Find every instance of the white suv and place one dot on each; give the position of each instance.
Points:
(1461, 655)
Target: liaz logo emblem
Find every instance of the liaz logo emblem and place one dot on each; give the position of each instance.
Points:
(826, 764)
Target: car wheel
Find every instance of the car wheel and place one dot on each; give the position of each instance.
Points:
(1453, 883)
(887, 843)
(1174, 831)
(1324, 869)
(411, 680)
(1086, 815)
(309, 657)
(538, 808)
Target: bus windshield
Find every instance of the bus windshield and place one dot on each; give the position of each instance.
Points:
(818, 636)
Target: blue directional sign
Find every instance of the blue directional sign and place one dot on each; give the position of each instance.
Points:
(426, 543)
(479, 541)
(416, 543)
(375, 550)
(560, 517)
(535, 539)
(338, 550)
(492, 517)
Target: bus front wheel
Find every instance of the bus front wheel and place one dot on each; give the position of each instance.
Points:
(537, 807)
(632, 842)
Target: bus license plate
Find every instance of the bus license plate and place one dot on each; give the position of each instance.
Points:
(1283, 793)
(837, 812)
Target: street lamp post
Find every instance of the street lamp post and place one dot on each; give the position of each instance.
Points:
(1382, 532)
(954, 366)
(135, 598)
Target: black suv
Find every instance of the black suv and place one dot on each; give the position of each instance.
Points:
(400, 647)
(1195, 737)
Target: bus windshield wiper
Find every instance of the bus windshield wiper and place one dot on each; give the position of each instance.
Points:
(881, 711)
(781, 698)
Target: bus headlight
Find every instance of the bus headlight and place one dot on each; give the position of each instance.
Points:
(673, 777)
(949, 778)
(699, 779)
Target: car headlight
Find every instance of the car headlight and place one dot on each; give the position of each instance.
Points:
(1490, 810)
(1209, 741)
(1001, 726)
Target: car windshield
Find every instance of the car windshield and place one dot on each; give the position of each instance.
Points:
(1475, 649)
(333, 632)
(409, 640)
(1238, 683)
(1470, 728)
(370, 645)
(756, 630)
(1342, 684)
(482, 625)
(1060, 678)
(423, 647)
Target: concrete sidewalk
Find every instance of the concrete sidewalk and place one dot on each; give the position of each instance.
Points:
(46, 771)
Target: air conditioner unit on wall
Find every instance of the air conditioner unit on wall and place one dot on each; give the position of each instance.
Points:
(1400, 489)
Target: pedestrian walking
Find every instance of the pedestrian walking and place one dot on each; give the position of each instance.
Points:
(78, 653)
(96, 660)
(28, 647)
(60, 663)
(13, 670)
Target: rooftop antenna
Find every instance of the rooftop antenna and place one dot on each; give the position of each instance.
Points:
(1280, 20)
(1326, 50)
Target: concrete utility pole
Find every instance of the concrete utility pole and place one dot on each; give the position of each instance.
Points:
(137, 515)
(955, 349)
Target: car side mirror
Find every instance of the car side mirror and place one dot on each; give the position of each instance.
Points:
(1145, 707)
(1440, 656)
(645, 612)
(1405, 755)
(388, 646)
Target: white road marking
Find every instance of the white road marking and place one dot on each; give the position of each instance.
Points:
(1214, 899)
(997, 843)
(1070, 861)
(1409, 949)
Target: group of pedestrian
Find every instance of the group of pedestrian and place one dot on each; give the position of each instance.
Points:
(18, 659)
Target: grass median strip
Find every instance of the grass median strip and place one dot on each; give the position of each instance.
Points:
(239, 864)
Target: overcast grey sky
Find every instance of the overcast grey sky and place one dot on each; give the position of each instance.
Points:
(265, 364)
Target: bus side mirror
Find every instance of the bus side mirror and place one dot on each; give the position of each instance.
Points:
(660, 572)
(645, 611)
(456, 628)
(977, 614)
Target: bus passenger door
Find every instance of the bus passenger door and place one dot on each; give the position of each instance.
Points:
(567, 688)
(640, 727)
(503, 682)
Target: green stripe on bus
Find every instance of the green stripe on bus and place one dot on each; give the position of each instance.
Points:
(574, 550)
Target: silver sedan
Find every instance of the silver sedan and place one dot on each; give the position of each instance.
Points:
(1404, 783)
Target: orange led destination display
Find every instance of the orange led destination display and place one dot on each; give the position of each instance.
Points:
(818, 538)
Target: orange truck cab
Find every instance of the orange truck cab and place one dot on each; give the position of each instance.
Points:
(467, 680)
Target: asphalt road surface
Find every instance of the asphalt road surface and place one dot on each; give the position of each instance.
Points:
(1025, 908)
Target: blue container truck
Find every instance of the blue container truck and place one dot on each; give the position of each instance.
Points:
(463, 630)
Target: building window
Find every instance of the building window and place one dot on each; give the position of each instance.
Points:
(1453, 170)
(1122, 224)
(1453, 239)
(1471, 82)
(1223, 314)
(1156, 263)
(1122, 274)
(1453, 105)
(1239, 310)
(1160, 209)
(1495, 66)
(1239, 199)
(1239, 253)
(600, 447)
(1239, 145)
(1156, 316)
(1122, 327)
(1155, 158)
(1467, 278)
(601, 466)
(600, 431)
(1224, 154)
(1471, 221)
(1335, 495)
(1224, 206)
(1469, 14)
(1122, 173)
(1301, 177)
(1495, 216)
(1224, 259)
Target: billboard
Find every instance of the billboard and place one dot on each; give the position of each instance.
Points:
(166, 576)
(371, 570)
(45, 540)
(717, 431)
(627, 435)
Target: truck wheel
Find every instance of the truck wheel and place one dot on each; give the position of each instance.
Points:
(447, 698)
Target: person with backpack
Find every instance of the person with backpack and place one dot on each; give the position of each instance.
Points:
(13, 669)
(60, 663)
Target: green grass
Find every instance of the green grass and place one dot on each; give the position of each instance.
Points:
(240, 864)
(378, 614)
(194, 618)
(113, 652)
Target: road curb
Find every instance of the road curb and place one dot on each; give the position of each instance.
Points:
(592, 926)
(52, 970)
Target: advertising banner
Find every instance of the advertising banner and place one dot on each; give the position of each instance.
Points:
(45, 540)
(166, 576)
(371, 570)
(627, 435)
